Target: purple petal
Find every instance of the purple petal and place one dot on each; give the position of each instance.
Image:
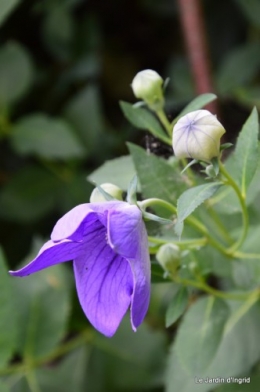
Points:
(104, 284)
(50, 254)
(141, 271)
(70, 225)
(77, 221)
(124, 229)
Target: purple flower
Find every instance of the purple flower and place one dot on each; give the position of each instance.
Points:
(109, 248)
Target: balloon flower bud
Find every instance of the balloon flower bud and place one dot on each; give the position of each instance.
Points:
(168, 257)
(197, 135)
(113, 190)
(147, 85)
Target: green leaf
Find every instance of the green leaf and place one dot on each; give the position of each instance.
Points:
(158, 178)
(200, 333)
(158, 274)
(244, 383)
(131, 191)
(84, 113)
(58, 29)
(29, 195)
(143, 119)
(59, 377)
(76, 190)
(177, 306)
(196, 104)
(155, 218)
(16, 72)
(43, 307)
(55, 377)
(125, 359)
(4, 387)
(246, 155)
(6, 7)
(45, 137)
(118, 171)
(191, 199)
(236, 355)
(8, 325)
(251, 9)
(238, 68)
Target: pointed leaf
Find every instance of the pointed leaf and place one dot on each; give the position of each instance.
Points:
(239, 67)
(6, 7)
(236, 355)
(191, 199)
(46, 137)
(16, 72)
(43, 306)
(200, 333)
(197, 103)
(177, 306)
(251, 10)
(246, 154)
(143, 119)
(157, 177)
(131, 191)
(119, 171)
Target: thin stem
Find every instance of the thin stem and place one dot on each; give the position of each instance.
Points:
(220, 227)
(192, 243)
(233, 184)
(165, 122)
(85, 337)
(208, 289)
(244, 308)
(190, 220)
(241, 255)
(32, 381)
(155, 201)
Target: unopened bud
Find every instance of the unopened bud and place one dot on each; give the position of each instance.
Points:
(113, 190)
(168, 257)
(210, 171)
(147, 85)
(197, 135)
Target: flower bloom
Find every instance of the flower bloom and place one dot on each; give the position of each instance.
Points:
(197, 135)
(109, 248)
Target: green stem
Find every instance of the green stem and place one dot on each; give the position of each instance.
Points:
(190, 220)
(85, 337)
(220, 227)
(233, 184)
(208, 289)
(164, 120)
(252, 298)
(192, 243)
(242, 255)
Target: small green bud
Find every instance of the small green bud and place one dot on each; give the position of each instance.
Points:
(168, 257)
(113, 190)
(147, 85)
(210, 171)
(197, 135)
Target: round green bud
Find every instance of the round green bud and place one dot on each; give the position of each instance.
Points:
(197, 135)
(147, 85)
(168, 256)
(210, 171)
(113, 190)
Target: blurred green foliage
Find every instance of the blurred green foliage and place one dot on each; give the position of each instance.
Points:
(64, 65)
